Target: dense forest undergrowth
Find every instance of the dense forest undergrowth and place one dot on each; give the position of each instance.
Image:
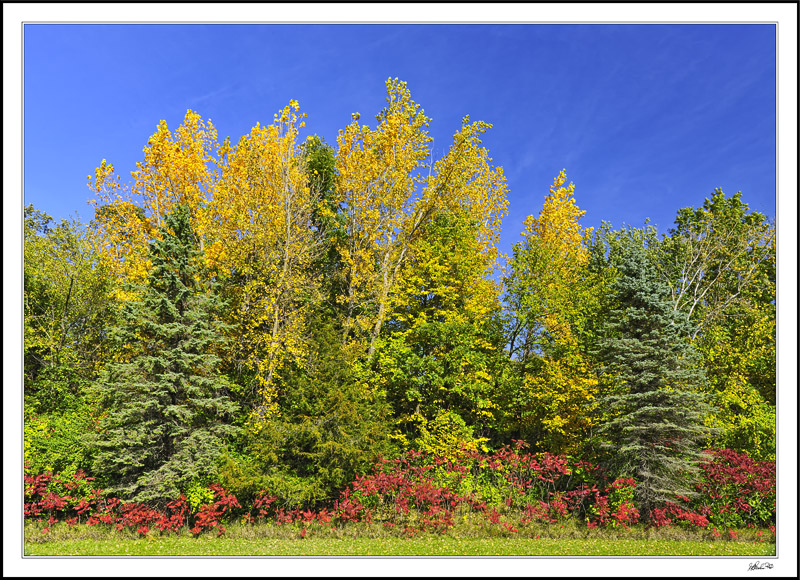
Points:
(313, 336)
(510, 493)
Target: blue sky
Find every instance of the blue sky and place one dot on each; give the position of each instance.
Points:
(646, 119)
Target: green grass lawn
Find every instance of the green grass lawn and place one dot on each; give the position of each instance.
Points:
(270, 543)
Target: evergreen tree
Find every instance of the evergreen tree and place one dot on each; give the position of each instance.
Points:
(655, 412)
(328, 220)
(331, 427)
(167, 407)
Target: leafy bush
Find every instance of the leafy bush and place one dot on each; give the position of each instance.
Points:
(199, 495)
(447, 435)
(502, 493)
(56, 441)
(507, 488)
(736, 491)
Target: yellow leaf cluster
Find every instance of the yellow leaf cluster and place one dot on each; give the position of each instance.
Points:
(556, 240)
(554, 294)
(557, 228)
(447, 438)
(376, 184)
(388, 199)
(260, 221)
(563, 396)
(464, 181)
(175, 169)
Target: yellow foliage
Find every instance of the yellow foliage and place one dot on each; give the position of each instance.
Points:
(553, 294)
(465, 182)
(563, 397)
(260, 222)
(558, 238)
(376, 183)
(745, 419)
(174, 170)
(448, 437)
(388, 199)
(252, 210)
(557, 225)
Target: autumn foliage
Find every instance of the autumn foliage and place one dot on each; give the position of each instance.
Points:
(511, 491)
(327, 305)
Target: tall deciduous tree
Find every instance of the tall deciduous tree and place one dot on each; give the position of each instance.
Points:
(376, 184)
(168, 411)
(655, 416)
(554, 301)
(263, 241)
(546, 266)
(67, 297)
(720, 264)
(442, 348)
(387, 200)
(719, 256)
(177, 169)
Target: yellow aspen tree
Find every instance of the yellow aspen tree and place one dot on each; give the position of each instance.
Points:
(464, 182)
(260, 226)
(548, 261)
(440, 360)
(377, 184)
(552, 296)
(177, 168)
(120, 229)
(465, 185)
(388, 200)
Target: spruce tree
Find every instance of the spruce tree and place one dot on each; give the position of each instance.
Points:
(167, 410)
(655, 414)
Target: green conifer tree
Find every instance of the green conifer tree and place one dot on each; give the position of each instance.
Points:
(655, 412)
(167, 409)
(330, 428)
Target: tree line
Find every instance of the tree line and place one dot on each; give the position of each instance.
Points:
(280, 312)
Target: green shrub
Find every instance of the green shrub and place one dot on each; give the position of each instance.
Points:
(198, 494)
(57, 441)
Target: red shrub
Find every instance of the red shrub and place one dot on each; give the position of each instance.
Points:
(734, 490)
(659, 516)
(511, 483)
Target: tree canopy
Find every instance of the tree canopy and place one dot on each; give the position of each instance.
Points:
(277, 312)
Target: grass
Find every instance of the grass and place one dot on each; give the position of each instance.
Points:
(365, 540)
(427, 546)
